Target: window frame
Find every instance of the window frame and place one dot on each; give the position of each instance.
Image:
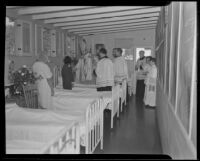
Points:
(19, 37)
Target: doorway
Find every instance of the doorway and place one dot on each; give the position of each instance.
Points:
(147, 51)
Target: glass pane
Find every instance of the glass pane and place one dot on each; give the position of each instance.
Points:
(47, 41)
(10, 37)
(58, 42)
(39, 39)
(26, 38)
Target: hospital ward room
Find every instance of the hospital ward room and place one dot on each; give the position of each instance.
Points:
(101, 80)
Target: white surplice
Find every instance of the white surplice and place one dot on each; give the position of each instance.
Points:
(150, 88)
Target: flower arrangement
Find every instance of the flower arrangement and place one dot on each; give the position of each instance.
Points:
(22, 77)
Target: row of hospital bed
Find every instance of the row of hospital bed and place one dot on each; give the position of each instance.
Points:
(75, 120)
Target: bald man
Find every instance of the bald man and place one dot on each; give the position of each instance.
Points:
(43, 74)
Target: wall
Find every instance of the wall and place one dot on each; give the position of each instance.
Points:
(140, 38)
(29, 60)
(175, 141)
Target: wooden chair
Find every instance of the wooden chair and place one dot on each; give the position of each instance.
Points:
(31, 96)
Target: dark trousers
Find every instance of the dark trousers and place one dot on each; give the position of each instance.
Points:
(107, 88)
(140, 88)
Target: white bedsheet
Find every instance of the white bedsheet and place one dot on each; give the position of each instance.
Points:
(34, 125)
(83, 93)
(24, 147)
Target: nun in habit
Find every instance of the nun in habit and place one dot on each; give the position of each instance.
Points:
(67, 75)
(43, 75)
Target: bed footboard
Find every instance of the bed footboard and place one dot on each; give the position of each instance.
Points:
(67, 142)
(94, 126)
(115, 102)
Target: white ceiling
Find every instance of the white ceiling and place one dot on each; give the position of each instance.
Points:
(85, 20)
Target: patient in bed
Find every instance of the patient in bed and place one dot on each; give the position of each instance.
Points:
(67, 74)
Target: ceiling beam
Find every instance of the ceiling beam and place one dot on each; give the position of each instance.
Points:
(110, 23)
(111, 26)
(117, 31)
(123, 18)
(12, 7)
(148, 12)
(114, 29)
(33, 10)
(85, 12)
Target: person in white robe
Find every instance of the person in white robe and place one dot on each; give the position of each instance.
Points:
(120, 66)
(88, 66)
(43, 74)
(104, 72)
(80, 76)
(120, 69)
(150, 82)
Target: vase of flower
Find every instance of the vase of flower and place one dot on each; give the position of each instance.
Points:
(21, 77)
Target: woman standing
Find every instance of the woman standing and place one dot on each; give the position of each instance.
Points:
(43, 74)
(104, 72)
(67, 75)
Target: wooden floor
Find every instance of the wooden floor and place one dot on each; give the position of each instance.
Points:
(134, 132)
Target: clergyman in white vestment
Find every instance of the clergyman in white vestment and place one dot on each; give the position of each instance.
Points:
(150, 88)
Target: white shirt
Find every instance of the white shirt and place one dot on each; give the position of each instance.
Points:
(120, 68)
(105, 73)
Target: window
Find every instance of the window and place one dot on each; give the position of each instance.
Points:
(23, 38)
(53, 43)
(26, 38)
(47, 41)
(10, 36)
(127, 56)
(147, 52)
(38, 39)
